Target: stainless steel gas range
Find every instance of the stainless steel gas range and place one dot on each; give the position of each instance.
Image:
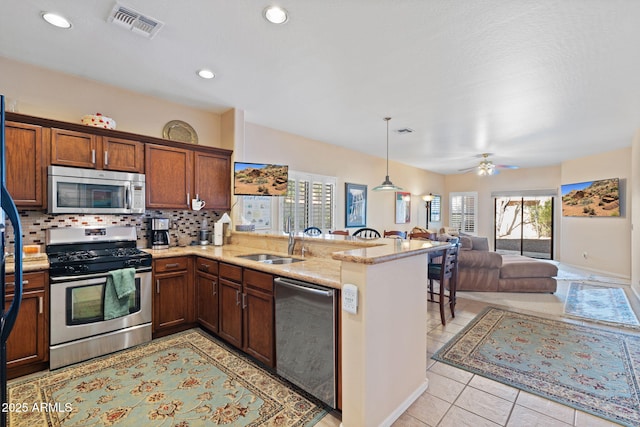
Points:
(80, 262)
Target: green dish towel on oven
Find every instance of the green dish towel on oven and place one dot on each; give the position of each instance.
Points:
(120, 284)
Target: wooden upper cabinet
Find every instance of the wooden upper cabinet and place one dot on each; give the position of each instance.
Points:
(71, 148)
(25, 165)
(122, 155)
(169, 176)
(212, 180)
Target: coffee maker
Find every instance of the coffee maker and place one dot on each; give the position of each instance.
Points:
(159, 233)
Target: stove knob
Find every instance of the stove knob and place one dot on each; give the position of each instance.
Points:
(69, 269)
(84, 267)
(132, 262)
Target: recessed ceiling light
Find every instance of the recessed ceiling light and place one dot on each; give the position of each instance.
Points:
(206, 74)
(276, 15)
(56, 20)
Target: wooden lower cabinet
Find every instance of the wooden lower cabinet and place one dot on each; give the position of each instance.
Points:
(173, 296)
(247, 311)
(258, 316)
(207, 293)
(230, 285)
(28, 343)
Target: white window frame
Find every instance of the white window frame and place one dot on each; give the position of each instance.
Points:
(463, 212)
(303, 218)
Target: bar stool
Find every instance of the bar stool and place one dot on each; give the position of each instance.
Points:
(445, 272)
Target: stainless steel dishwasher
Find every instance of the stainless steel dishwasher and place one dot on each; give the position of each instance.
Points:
(306, 337)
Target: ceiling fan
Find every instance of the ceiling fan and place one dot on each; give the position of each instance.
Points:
(486, 167)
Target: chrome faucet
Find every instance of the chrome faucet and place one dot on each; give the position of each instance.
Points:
(292, 240)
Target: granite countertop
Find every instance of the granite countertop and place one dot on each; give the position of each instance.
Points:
(318, 270)
(391, 250)
(36, 262)
(321, 270)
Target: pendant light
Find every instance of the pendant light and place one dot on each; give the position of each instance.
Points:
(387, 185)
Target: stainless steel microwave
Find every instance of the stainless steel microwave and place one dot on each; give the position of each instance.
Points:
(75, 190)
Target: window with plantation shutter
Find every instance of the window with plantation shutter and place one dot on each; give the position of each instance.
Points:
(310, 201)
(462, 212)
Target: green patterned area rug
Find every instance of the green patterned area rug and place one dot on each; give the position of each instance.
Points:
(600, 303)
(587, 368)
(183, 380)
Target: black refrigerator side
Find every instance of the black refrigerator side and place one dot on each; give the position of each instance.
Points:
(7, 317)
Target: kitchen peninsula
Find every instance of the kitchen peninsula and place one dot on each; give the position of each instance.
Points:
(383, 346)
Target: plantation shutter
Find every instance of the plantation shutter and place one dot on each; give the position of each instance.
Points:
(310, 201)
(463, 211)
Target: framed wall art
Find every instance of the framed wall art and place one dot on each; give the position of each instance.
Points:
(435, 209)
(355, 205)
(403, 207)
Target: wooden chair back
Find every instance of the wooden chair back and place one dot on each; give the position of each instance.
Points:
(367, 233)
(312, 231)
(395, 234)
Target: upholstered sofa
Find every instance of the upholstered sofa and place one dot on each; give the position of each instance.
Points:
(480, 269)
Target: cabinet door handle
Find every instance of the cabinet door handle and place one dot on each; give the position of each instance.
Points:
(213, 287)
(106, 158)
(237, 297)
(40, 305)
(24, 283)
(244, 301)
(93, 156)
(157, 286)
(174, 265)
(205, 267)
(188, 199)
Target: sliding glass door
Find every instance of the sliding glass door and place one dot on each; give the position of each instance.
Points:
(524, 226)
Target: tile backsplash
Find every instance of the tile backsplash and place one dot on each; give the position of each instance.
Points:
(183, 224)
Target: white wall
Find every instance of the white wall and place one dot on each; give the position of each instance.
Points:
(507, 180)
(605, 240)
(45, 93)
(634, 189)
(265, 145)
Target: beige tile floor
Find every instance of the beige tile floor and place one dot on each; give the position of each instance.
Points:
(457, 398)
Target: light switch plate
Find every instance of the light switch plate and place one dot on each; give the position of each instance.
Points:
(350, 298)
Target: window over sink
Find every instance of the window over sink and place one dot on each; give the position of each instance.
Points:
(310, 200)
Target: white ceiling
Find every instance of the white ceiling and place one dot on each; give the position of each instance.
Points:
(534, 82)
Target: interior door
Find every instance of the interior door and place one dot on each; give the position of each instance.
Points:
(524, 226)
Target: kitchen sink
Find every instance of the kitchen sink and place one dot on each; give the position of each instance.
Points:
(270, 258)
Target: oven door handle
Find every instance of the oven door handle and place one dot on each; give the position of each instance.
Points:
(59, 279)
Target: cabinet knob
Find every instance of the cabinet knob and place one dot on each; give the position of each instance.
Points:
(244, 301)
(157, 286)
(213, 287)
(237, 297)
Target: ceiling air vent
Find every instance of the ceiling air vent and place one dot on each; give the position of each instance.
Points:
(135, 21)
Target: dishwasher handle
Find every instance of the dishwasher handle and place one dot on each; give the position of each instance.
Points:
(302, 286)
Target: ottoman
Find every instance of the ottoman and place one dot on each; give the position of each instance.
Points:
(522, 274)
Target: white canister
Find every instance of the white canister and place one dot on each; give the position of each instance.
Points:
(218, 228)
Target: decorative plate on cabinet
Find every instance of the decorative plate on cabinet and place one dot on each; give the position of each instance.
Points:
(177, 130)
